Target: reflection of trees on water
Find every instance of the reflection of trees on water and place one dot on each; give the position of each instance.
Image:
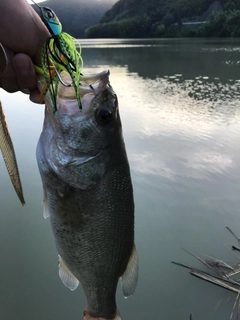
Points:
(205, 71)
(166, 60)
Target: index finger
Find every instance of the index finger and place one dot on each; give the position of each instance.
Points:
(25, 73)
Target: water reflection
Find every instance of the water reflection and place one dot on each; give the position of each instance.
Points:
(180, 114)
(179, 105)
(169, 57)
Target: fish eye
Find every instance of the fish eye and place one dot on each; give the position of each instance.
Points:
(104, 116)
(49, 14)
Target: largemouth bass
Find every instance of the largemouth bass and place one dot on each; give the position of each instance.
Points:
(88, 194)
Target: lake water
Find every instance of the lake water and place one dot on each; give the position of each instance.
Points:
(180, 110)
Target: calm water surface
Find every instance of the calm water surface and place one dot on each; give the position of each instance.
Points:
(180, 109)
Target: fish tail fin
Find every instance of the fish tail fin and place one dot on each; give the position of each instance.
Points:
(88, 316)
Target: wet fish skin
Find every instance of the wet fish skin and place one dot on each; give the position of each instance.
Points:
(8, 153)
(89, 197)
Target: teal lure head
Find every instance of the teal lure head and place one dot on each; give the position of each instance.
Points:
(51, 20)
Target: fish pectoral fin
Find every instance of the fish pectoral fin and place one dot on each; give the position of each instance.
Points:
(68, 279)
(45, 205)
(130, 276)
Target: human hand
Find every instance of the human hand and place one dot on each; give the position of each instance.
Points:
(22, 41)
(19, 74)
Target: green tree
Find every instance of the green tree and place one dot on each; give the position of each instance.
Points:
(168, 20)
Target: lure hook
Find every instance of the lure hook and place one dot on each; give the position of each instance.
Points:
(61, 80)
(59, 51)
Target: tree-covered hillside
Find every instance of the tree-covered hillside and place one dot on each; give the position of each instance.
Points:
(165, 18)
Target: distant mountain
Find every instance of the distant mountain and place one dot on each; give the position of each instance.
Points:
(77, 15)
(148, 18)
(161, 18)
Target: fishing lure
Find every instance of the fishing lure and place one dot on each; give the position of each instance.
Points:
(59, 54)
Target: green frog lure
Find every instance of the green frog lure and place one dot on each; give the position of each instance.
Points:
(59, 54)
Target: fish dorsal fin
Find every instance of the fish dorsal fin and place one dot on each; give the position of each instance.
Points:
(68, 279)
(130, 277)
(45, 205)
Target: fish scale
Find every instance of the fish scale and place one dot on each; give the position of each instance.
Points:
(101, 241)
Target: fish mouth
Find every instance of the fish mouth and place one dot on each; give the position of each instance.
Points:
(90, 83)
(90, 86)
